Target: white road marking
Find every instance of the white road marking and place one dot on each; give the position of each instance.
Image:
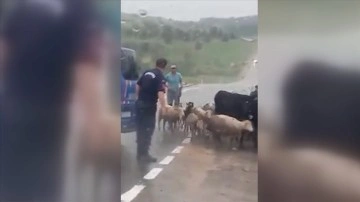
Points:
(152, 173)
(186, 141)
(132, 193)
(177, 150)
(167, 160)
(188, 89)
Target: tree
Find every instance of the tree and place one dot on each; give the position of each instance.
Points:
(232, 36)
(207, 37)
(152, 28)
(144, 34)
(195, 34)
(225, 38)
(179, 34)
(187, 36)
(167, 34)
(220, 34)
(198, 45)
(188, 63)
(145, 46)
(213, 32)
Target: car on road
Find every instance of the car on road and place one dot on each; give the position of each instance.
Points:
(128, 78)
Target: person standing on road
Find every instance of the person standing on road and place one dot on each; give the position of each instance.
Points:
(174, 80)
(255, 92)
(149, 89)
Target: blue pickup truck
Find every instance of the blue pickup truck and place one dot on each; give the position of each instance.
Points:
(128, 79)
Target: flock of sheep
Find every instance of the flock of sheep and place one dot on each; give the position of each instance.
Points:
(203, 122)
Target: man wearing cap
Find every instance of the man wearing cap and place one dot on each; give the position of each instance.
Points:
(174, 81)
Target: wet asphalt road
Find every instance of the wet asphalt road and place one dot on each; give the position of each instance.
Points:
(163, 143)
(204, 173)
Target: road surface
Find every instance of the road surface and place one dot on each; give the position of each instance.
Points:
(191, 172)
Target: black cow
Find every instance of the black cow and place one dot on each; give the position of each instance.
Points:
(235, 105)
(241, 107)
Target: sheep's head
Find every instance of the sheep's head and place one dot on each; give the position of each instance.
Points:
(208, 114)
(199, 111)
(248, 126)
(206, 106)
(211, 112)
(189, 105)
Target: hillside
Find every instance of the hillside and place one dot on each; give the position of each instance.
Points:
(211, 47)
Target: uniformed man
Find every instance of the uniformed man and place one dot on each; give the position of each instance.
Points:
(150, 88)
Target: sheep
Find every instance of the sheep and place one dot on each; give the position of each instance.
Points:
(222, 125)
(209, 106)
(199, 112)
(180, 120)
(235, 129)
(188, 109)
(190, 123)
(200, 127)
(170, 114)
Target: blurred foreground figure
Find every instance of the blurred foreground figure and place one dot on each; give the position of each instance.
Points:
(42, 39)
(316, 159)
(99, 130)
(322, 107)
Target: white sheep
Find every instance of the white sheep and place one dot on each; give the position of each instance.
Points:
(200, 112)
(190, 123)
(170, 114)
(226, 126)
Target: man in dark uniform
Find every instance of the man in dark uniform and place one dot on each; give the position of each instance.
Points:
(150, 88)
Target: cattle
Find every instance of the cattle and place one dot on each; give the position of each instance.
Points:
(238, 106)
(253, 117)
(233, 104)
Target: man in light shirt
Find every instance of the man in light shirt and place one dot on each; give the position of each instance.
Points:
(174, 83)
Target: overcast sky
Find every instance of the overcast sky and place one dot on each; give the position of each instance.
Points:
(192, 9)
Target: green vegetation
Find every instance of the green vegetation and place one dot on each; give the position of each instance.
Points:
(208, 49)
